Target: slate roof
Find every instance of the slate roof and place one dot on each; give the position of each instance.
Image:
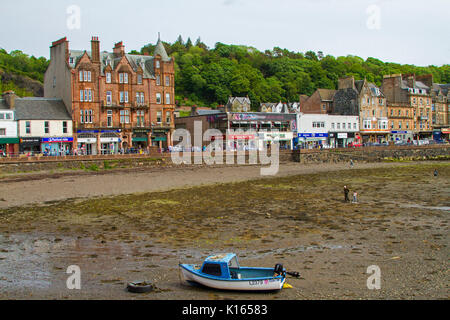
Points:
(326, 94)
(38, 109)
(136, 61)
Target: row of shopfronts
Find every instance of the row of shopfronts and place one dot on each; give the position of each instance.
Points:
(92, 142)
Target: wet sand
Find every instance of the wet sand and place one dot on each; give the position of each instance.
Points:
(298, 218)
(29, 189)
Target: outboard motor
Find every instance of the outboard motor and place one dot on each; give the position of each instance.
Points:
(278, 270)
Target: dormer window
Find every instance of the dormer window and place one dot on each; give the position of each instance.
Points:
(139, 79)
(108, 77)
(157, 64)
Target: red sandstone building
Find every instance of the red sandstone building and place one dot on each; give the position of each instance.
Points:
(117, 100)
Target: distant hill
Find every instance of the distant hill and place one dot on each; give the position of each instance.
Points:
(21, 73)
(208, 76)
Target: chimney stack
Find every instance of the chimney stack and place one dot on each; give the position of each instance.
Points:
(10, 99)
(95, 50)
(119, 49)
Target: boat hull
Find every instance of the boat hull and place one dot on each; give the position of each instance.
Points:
(266, 284)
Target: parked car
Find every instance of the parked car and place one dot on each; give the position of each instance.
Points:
(355, 144)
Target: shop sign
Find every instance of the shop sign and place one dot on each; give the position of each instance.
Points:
(342, 135)
(62, 139)
(87, 131)
(445, 130)
(30, 140)
(241, 137)
(313, 135)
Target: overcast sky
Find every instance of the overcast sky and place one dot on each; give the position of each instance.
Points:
(403, 31)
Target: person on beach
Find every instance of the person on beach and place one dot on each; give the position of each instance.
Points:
(435, 172)
(346, 191)
(351, 163)
(355, 197)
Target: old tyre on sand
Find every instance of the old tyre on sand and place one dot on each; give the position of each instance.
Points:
(139, 287)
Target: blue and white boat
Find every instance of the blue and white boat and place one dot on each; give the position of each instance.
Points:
(222, 271)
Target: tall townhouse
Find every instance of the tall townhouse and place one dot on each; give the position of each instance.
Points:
(116, 100)
(440, 97)
(409, 107)
(373, 112)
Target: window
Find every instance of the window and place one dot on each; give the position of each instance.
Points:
(324, 107)
(392, 112)
(81, 116)
(158, 98)
(167, 98)
(399, 124)
(140, 118)
(108, 98)
(168, 117)
(338, 126)
(108, 77)
(212, 269)
(123, 77)
(54, 82)
(399, 113)
(81, 95)
(158, 80)
(89, 76)
(380, 102)
(85, 76)
(332, 125)
(90, 95)
(109, 116)
(89, 115)
(349, 125)
(2, 132)
(343, 125)
(71, 60)
(123, 96)
(80, 76)
(392, 124)
(64, 126)
(139, 79)
(124, 116)
(167, 81)
(46, 127)
(142, 98)
(354, 126)
(157, 64)
(158, 117)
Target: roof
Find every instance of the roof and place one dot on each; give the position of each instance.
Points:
(207, 112)
(161, 51)
(136, 61)
(39, 109)
(326, 94)
(224, 257)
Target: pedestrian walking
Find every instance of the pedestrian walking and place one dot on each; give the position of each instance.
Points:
(351, 163)
(346, 192)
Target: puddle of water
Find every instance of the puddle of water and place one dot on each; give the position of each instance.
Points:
(414, 205)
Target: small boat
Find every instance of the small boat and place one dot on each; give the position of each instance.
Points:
(222, 271)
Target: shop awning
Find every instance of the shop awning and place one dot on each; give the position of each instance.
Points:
(140, 139)
(158, 139)
(9, 140)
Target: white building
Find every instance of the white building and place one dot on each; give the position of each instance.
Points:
(44, 125)
(9, 140)
(325, 130)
